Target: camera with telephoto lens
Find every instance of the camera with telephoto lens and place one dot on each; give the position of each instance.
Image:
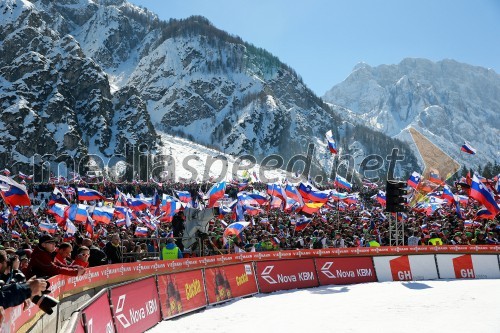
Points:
(46, 302)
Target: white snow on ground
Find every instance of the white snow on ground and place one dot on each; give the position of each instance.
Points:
(418, 306)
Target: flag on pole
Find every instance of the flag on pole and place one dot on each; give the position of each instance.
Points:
(332, 146)
(467, 148)
(13, 193)
(215, 193)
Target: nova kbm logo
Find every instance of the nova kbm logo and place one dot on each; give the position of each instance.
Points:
(265, 275)
(135, 316)
(326, 270)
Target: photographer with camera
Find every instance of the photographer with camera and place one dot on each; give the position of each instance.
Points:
(17, 289)
(42, 262)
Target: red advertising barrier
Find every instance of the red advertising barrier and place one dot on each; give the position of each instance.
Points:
(136, 306)
(181, 293)
(345, 270)
(227, 282)
(97, 315)
(283, 275)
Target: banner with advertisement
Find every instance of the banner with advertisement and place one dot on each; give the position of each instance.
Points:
(136, 306)
(345, 270)
(405, 268)
(96, 316)
(286, 274)
(227, 282)
(181, 293)
(468, 266)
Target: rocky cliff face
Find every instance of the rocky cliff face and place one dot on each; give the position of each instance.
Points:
(447, 101)
(92, 77)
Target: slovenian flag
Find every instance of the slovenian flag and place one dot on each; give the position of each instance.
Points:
(467, 148)
(302, 223)
(276, 190)
(58, 196)
(170, 205)
(246, 199)
(15, 234)
(414, 180)
(435, 177)
(332, 146)
(87, 194)
(448, 195)
(215, 193)
(309, 193)
(483, 213)
(13, 193)
(381, 198)
(482, 194)
(342, 183)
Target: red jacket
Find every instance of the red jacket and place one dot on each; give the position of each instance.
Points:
(42, 265)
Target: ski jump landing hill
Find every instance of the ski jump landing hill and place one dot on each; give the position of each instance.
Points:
(134, 297)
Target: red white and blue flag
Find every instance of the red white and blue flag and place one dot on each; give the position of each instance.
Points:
(342, 183)
(58, 196)
(302, 223)
(13, 193)
(15, 234)
(234, 229)
(484, 195)
(215, 193)
(60, 212)
(276, 190)
(141, 232)
(309, 193)
(138, 204)
(50, 228)
(435, 178)
(414, 180)
(87, 194)
(483, 213)
(467, 148)
(103, 214)
(332, 146)
(292, 193)
(381, 198)
(448, 195)
(184, 196)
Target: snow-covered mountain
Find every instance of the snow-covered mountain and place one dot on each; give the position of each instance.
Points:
(88, 76)
(447, 101)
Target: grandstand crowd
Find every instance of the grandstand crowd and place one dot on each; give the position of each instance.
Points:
(340, 221)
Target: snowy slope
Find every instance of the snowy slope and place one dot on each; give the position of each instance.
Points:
(393, 307)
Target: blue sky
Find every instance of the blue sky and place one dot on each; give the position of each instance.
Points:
(324, 39)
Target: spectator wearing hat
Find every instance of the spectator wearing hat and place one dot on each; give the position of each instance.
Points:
(42, 264)
(171, 251)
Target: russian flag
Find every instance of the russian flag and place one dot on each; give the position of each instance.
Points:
(50, 228)
(70, 228)
(215, 193)
(87, 194)
(184, 196)
(482, 194)
(276, 190)
(234, 229)
(467, 148)
(120, 223)
(302, 223)
(309, 193)
(13, 193)
(170, 205)
(414, 180)
(342, 183)
(103, 214)
(261, 199)
(352, 199)
(332, 146)
(141, 232)
(381, 198)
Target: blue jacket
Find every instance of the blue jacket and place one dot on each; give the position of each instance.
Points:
(14, 294)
